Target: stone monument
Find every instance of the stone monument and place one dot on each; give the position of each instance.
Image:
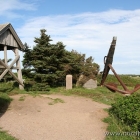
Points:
(68, 81)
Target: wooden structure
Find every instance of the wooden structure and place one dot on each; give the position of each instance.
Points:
(9, 40)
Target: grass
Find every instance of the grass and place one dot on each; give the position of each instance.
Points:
(54, 101)
(4, 102)
(115, 130)
(5, 136)
(100, 94)
(22, 98)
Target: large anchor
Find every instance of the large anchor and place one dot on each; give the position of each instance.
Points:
(108, 60)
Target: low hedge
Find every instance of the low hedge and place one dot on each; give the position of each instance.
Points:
(127, 111)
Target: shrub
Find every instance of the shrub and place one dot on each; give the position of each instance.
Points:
(127, 112)
(33, 86)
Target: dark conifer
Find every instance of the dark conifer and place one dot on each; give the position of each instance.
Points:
(48, 64)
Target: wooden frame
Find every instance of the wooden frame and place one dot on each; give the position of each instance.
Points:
(9, 40)
(8, 68)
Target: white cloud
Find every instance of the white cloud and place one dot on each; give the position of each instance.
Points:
(9, 7)
(92, 33)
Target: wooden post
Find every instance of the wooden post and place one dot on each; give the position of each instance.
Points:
(19, 73)
(5, 54)
(5, 57)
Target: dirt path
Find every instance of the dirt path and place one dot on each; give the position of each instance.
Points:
(54, 117)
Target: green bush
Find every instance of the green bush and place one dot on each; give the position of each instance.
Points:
(33, 86)
(127, 112)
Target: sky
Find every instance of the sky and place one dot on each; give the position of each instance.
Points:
(86, 26)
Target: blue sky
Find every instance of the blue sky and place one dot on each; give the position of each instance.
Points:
(87, 26)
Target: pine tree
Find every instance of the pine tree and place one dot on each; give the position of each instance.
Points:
(75, 64)
(48, 64)
(80, 65)
(46, 61)
(27, 65)
(26, 58)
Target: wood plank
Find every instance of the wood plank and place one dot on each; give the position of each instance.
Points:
(12, 39)
(8, 38)
(5, 71)
(18, 70)
(5, 54)
(9, 70)
(2, 67)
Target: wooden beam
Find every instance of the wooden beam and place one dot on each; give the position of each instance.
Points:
(5, 54)
(5, 71)
(19, 73)
(2, 67)
(9, 70)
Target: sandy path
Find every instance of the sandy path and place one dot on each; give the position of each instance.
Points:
(78, 118)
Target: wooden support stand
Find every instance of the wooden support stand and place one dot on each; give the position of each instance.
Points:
(9, 40)
(8, 69)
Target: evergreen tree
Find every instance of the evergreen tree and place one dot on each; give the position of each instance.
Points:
(27, 56)
(84, 67)
(90, 68)
(27, 65)
(48, 64)
(48, 60)
(75, 64)
(79, 65)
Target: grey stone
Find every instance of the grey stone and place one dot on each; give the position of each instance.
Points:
(68, 81)
(90, 84)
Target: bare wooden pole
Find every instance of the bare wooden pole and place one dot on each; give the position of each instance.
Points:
(19, 69)
(5, 54)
